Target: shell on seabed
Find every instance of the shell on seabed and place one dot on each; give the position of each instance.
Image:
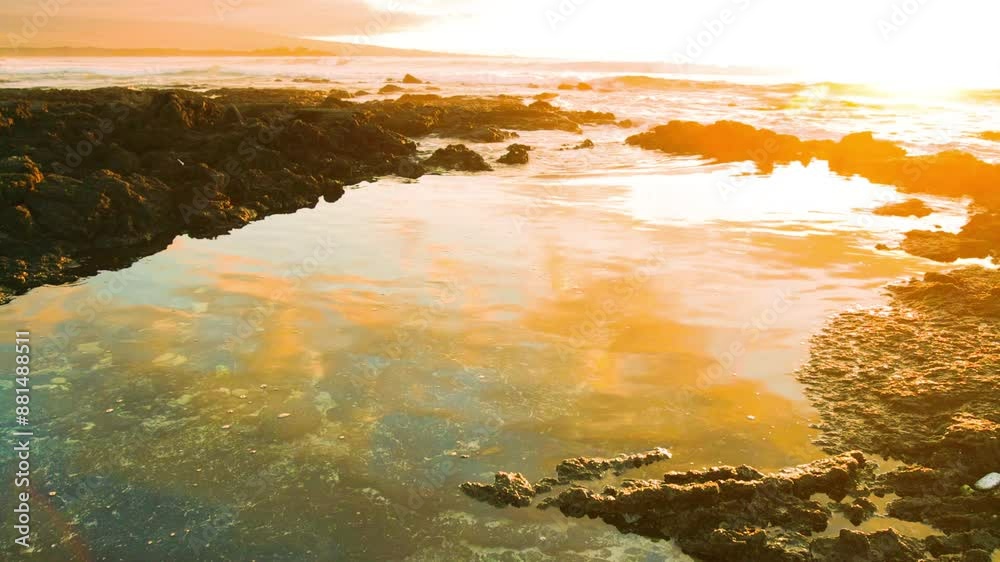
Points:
(988, 482)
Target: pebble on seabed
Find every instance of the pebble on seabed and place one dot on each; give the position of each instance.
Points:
(988, 482)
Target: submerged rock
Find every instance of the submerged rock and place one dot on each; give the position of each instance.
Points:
(457, 157)
(390, 89)
(508, 489)
(909, 208)
(858, 511)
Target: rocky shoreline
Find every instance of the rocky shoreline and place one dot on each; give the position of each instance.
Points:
(96, 179)
(915, 382)
(950, 173)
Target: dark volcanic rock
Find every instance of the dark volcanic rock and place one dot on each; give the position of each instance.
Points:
(85, 172)
(917, 383)
(742, 472)
(516, 154)
(858, 546)
(593, 468)
(457, 157)
(979, 238)
(461, 116)
(724, 141)
(725, 519)
(486, 134)
(950, 173)
(508, 489)
(858, 511)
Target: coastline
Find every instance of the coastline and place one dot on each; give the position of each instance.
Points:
(171, 162)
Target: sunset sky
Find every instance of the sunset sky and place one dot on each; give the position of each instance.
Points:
(894, 41)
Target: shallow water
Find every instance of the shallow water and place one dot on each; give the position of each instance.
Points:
(420, 334)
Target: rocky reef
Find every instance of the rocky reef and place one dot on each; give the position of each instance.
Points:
(95, 179)
(594, 468)
(912, 382)
(917, 382)
(950, 173)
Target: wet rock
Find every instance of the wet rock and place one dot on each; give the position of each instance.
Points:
(862, 547)
(411, 79)
(486, 134)
(950, 173)
(858, 511)
(166, 162)
(918, 385)
(545, 96)
(990, 135)
(909, 208)
(969, 544)
(390, 89)
(724, 141)
(726, 519)
(457, 157)
(23, 167)
(742, 472)
(410, 169)
(508, 489)
(516, 154)
(941, 246)
(587, 143)
(594, 468)
(545, 485)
